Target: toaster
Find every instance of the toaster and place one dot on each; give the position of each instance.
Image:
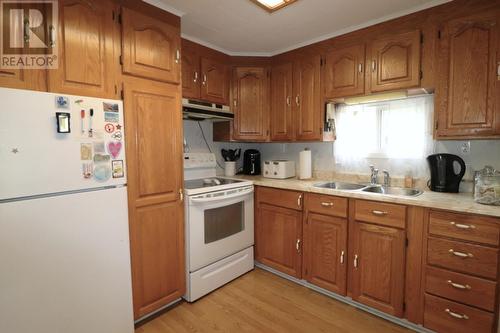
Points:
(279, 169)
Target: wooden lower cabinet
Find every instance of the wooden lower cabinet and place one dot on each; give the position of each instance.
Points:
(155, 179)
(278, 238)
(378, 267)
(325, 252)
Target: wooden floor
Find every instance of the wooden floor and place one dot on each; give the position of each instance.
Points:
(263, 302)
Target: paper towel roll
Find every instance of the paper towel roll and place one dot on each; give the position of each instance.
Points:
(305, 164)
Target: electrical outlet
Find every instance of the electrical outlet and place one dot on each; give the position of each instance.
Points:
(464, 148)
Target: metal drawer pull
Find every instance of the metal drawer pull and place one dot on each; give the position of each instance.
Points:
(461, 254)
(374, 65)
(360, 68)
(195, 77)
(327, 204)
(456, 315)
(288, 101)
(463, 226)
(177, 56)
(458, 285)
(342, 257)
(379, 212)
(299, 200)
(204, 82)
(297, 100)
(297, 245)
(355, 261)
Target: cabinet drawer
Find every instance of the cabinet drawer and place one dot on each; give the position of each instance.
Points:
(441, 315)
(474, 259)
(472, 228)
(461, 288)
(326, 204)
(380, 213)
(280, 198)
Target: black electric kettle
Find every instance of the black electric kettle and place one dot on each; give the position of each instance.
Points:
(444, 177)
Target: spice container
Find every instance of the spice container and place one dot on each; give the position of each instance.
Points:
(487, 186)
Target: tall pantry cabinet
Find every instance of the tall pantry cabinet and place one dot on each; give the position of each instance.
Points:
(151, 67)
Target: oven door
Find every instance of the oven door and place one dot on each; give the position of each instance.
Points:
(219, 224)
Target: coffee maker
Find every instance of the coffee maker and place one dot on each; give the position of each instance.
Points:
(251, 162)
(444, 177)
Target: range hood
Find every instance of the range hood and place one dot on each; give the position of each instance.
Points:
(197, 110)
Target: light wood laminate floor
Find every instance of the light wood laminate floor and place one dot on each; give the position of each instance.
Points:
(263, 302)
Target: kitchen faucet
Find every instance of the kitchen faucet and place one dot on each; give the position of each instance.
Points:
(387, 179)
(373, 177)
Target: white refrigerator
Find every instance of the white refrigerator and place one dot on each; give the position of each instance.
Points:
(64, 238)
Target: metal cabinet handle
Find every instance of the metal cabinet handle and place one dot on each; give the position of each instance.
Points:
(297, 245)
(460, 254)
(458, 285)
(26, 30)
(181, 194)
(498, 71)
(379, 212)
(360, 68)
(342, 254)
(463, 226)
(299, 200)
(355, 261)
(195, 77)
(177, 56)
(297, 100)
(327, 204)
(288, 100)
(204, 82)
(374, 65)
(52, 36)
(456, 315)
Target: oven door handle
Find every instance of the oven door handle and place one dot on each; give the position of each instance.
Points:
(222, 197)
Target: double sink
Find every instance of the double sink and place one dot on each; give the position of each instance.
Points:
(389, 190)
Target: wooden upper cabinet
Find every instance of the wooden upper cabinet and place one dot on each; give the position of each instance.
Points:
(88, 63)
(344, 72)
(191, 76)
(150, 47)
(468, 89)
(378, 270)
(154, 161)
(214, 81)
(278, 238)
(282, 128)
(307, 99)
(325, 252)
(250, 103)
(394, 62)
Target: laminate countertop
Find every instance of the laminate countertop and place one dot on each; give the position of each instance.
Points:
(458, 202)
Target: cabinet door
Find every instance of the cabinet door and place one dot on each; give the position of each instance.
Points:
(468, 88)
(251, 103)
(215, 81)
(325, 252)
(154, 160)
(278, 238)
(307, 100)
(344, 72)
(378, 267)
(32, 79)
(281, 103)
(395, 62)
(191, 77)
(151, 48)
(87, 59)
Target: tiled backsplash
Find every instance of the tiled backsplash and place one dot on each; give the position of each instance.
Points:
(482, 152)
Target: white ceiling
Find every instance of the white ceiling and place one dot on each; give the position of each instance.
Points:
(239, 27)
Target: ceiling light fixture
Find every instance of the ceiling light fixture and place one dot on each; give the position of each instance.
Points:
(273, 5)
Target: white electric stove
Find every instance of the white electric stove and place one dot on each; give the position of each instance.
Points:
(219, 226)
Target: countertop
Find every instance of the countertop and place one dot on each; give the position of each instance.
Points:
(459, 202)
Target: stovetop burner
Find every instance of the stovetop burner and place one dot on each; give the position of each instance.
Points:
(208, 182)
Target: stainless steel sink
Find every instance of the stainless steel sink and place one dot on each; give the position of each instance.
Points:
(340, 186)
(406, 192)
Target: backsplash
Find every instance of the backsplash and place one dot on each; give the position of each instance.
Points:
(481, 153)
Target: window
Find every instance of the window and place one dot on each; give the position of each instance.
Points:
(398, 129)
